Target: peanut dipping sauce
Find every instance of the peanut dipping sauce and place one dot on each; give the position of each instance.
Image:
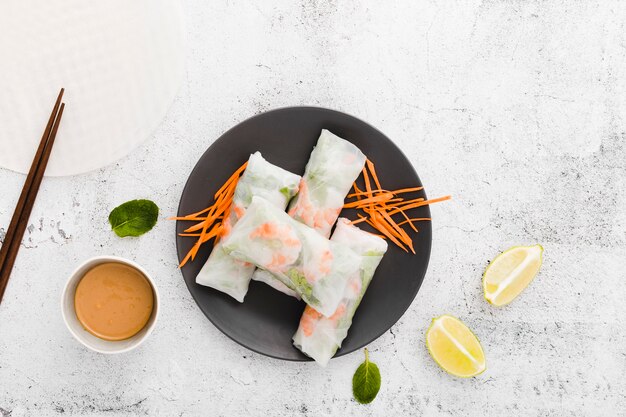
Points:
(113, 301)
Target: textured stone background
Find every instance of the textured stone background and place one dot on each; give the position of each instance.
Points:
(516, 108)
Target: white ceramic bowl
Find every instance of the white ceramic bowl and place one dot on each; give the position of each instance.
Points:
(83, 336)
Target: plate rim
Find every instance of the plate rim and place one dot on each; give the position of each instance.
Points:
(428, 248)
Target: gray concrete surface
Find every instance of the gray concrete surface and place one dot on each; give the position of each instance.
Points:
(515, 108)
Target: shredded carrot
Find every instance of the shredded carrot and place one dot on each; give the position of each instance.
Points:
(192, 219)
(368, 186)
(413, 220)
(407, 190)
(210, 220)
(191, 216)
(362, 193)
(411, 225)
(215, 231)
(402, 234)
(231, 180)
(219, 208)
(386, 232)
(421, 203)
(375, 199)
(357, 192)
(366, 178)
(406, 202)
(361, 220)
(381, 205)
(185, 259)
(370, 166)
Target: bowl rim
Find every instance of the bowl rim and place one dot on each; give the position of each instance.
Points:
(74, 276)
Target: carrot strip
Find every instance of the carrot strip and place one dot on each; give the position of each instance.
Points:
(413, 220)
(198, 212)
(186, 258)
(381, 205)
(215, 231)
(370, 166)
(369, 200)
(368, 186)
(191, 219)
(403, 236)
(407, 190)
(357, 191)
(377, 219)
(393, 200)
(366, 178)
(209, 220)
(407, 218)
(187, 218)
(205, 226)
(421, 203)
(231, 179)
(361, 220)
(356, 188)
(406, 202)
(365, 193)
(391, 237)
(394, 192)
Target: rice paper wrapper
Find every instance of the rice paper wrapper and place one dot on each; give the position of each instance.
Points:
(317, 268)
(261, 178)
(319, 337)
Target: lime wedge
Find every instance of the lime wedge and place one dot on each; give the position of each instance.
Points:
(454, 347)
(507, 275)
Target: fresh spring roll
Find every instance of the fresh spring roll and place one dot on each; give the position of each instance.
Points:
(319, 337)
(333, 167)
(263, 179)
(315, 267)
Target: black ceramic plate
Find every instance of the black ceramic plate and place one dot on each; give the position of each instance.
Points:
(267, 319)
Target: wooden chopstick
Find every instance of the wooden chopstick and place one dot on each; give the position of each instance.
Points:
(19, 221)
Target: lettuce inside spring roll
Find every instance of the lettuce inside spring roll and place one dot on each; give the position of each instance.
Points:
(333, 167)
(317, 268)
(263, 179)
(262, 275)
(319, 337)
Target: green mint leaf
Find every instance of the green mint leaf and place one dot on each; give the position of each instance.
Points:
(134, 218)
(366, 381)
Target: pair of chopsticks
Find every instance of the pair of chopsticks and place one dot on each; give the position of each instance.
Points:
(15, 232)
